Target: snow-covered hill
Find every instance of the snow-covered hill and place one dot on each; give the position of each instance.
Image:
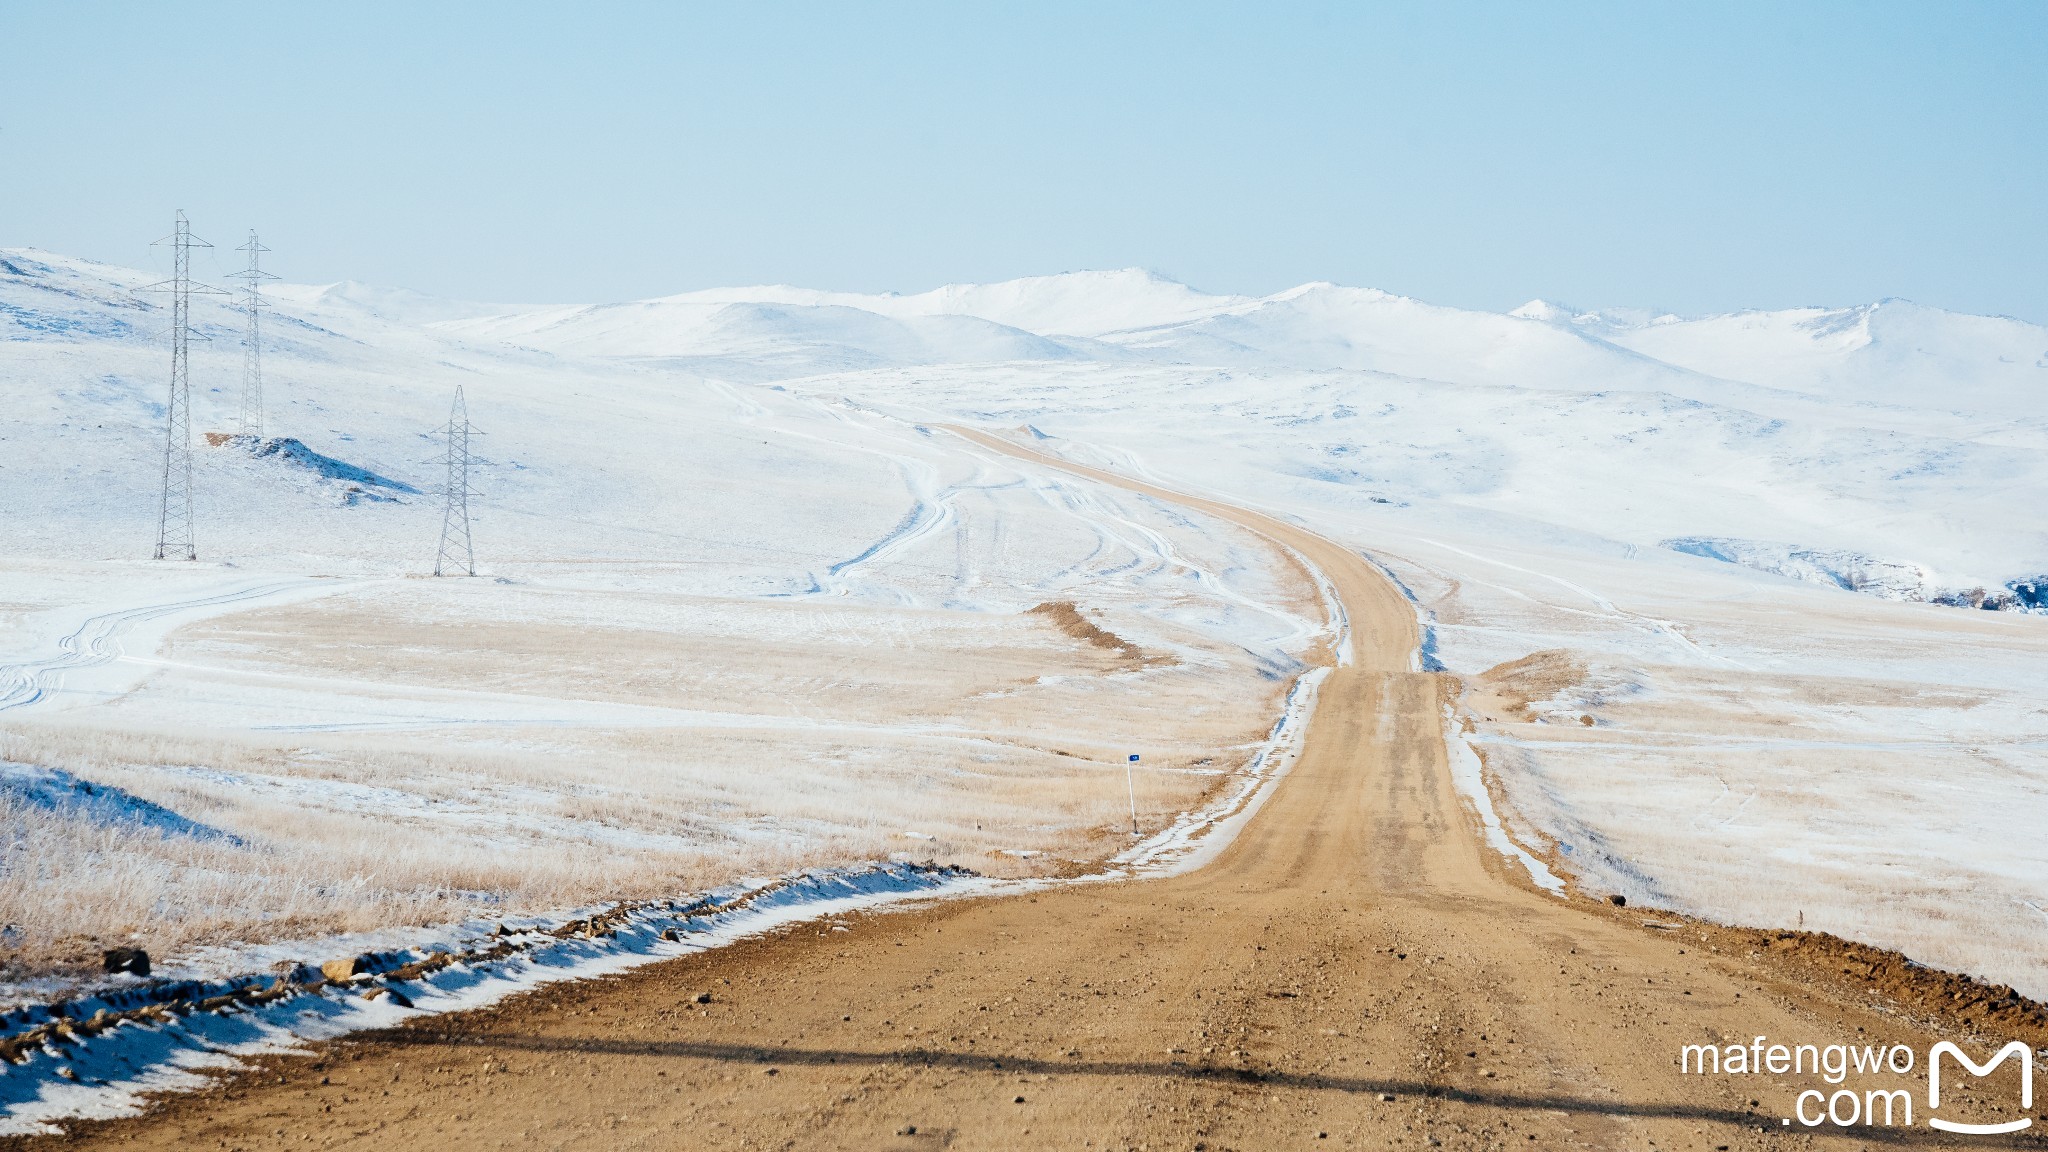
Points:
(1085, 304)
(397, 305)
(763, 340)
(1325, 326)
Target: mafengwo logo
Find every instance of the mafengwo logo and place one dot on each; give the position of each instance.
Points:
(2016, 1049)
(1888, 1106)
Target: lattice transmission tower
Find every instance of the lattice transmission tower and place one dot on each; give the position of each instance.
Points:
(457, 555)
(253, 303)
(174, 534)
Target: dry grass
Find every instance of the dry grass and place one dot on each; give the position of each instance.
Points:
(838, 734)
(1509, 688)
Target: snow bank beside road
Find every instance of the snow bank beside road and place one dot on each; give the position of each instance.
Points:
(101, 1057)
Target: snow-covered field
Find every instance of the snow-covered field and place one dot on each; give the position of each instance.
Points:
(748, 607)
(723, 632)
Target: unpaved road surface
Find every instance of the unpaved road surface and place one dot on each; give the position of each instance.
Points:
(1355, 971)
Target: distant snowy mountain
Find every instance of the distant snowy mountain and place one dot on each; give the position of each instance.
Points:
(762, 340)
(1893, 352)
(1890, 352)
(1081, 303)
(1086, 304)
(1326, 326)
(397, 305)
(777, 331)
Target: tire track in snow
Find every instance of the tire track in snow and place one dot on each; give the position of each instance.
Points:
(1338, 633)
(1078, 500)
(934, 508)
(1666, 628)
(97, 641)
(931, 510)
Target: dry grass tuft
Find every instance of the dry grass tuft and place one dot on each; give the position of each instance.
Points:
(1068, 619)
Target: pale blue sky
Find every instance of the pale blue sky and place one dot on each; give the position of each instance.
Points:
(1694, 157)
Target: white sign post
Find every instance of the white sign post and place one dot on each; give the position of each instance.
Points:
(1131, 785)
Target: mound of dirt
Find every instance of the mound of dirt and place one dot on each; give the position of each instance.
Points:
(1068, 619)
(1822, 960)
(1947, 996)
(356, 481)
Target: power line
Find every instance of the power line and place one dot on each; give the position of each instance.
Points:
(457, 554)
(175, 539)
(253, 303)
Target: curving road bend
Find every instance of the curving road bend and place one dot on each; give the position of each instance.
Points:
(1354, 971)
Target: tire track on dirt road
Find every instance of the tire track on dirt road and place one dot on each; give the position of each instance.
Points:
(1354, 970)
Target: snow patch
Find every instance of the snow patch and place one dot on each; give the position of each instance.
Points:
(1857, 572)
(357, 483)
(1468, 775)
(53, 789)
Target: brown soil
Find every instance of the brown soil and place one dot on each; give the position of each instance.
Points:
(1354, 971)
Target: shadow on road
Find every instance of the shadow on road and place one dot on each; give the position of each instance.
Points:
(1265, 1077)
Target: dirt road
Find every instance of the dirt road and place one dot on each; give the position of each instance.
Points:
(1355, 971)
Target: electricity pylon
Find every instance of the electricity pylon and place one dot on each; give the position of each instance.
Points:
(174, 535)
(253, 303)
(457, 555)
